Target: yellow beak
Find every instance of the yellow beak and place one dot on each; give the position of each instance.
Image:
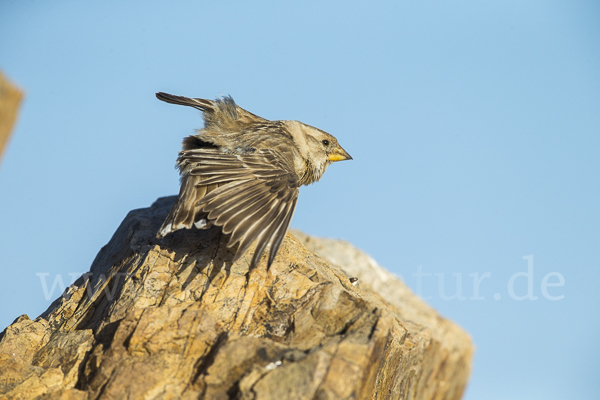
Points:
(339, 154)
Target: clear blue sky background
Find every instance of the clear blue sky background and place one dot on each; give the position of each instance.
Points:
(474, 127)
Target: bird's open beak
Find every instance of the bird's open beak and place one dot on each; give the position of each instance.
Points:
(339, 154)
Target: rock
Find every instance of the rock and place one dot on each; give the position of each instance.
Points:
(173, 318)
(10, 99)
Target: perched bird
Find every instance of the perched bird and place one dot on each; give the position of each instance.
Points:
(243, 173)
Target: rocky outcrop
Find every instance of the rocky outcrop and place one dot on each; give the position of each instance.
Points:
(173, 318)
(10, 99)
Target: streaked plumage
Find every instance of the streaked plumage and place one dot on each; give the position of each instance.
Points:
(243, 173)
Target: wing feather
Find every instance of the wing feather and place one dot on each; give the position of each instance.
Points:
(255, 210)
(256, 228)
(278, 236)
(246, 222)
(233, 187)
(234, 193)
(251, 196)
(270, 234)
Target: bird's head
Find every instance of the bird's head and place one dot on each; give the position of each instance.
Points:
(317, 146)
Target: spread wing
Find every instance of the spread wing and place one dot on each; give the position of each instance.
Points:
(255, 198)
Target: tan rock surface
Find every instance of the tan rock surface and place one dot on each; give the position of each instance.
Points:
(173, 318)
(10, 99)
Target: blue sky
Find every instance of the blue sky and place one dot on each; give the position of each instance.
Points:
(474, 128)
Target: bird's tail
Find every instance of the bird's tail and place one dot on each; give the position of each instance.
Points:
(222, 113)
(200, 104)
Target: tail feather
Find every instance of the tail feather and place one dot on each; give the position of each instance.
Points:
(221, 113)
(200, 104)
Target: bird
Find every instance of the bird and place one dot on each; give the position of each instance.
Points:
(242, 173)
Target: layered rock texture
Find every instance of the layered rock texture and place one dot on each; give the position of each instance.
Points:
(173, 318)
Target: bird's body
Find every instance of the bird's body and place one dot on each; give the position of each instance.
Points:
(243, 173)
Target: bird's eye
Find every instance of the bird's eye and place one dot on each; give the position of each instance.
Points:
(326, 142)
